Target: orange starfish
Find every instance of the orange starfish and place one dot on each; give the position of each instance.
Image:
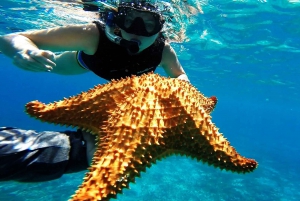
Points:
(139, 120)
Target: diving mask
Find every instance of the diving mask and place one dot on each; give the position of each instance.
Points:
(139, 19)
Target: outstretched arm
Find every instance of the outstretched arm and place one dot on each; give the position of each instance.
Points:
(171, 64)
(33, 50)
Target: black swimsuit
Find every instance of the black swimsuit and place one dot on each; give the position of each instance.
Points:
(112, 61)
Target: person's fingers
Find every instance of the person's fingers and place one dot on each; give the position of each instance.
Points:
(27, 62)
(50, 58)
(48, 54)
(45, 58)
(35, 60)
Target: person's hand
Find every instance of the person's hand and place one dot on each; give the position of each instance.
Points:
(35, 60)
(90, 145)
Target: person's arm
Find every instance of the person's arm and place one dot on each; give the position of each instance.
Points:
(33, 50)
(171, 64)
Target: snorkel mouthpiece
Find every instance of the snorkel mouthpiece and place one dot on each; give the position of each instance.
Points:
(132, 46)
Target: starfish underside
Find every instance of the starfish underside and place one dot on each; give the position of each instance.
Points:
(137, 121)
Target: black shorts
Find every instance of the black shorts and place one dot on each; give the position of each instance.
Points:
(30, 156)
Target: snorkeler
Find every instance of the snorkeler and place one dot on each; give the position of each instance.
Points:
(128, 40)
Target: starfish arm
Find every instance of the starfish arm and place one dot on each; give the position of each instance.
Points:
(200, 139)
(121, 156)
(88, 110)
(188, 130)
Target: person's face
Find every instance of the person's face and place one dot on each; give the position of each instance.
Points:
(149, 25)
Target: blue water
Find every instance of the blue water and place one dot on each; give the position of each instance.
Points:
(244, 52)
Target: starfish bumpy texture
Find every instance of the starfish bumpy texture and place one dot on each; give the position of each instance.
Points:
(137, 121)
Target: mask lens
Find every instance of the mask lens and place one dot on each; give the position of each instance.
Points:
(147, 18)
(138, 22)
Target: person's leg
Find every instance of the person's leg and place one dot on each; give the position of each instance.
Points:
(28, 156)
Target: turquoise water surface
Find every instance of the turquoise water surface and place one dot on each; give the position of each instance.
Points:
(244, 52)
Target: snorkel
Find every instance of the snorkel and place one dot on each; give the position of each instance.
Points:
(132, 46)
